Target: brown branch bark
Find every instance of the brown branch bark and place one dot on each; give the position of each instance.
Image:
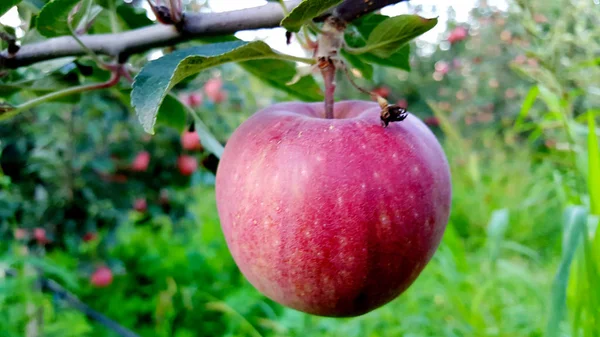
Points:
(195, 25)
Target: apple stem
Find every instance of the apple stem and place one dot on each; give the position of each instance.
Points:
(329, 79)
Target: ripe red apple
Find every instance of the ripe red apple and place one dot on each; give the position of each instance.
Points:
(382, 91)
(190, 141)
(214, 90)
(458, 34)
(90, 236)
(187, 165)
(141, 162)
(39, 235)
(140, 205)
(102, 277)
(333, 217)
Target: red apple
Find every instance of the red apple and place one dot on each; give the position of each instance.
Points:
(90, 236)
(187, 165)
(140, 205)
(40, 236)
(102, 277)
(458, 34)
(190, 141)
(333, 217)
(382, 91)
(20, 233)
(141, 162)
(214, 90)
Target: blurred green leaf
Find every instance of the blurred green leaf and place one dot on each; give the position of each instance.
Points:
(172, 113)
(575, 219)
(133, 17)
(306, 10)
(365, 68)
(593, 164)
(6, 5)
(207, 139)
(496, 230)
(158, 77)
(391, 34)
(277, 73)
(527, 105)
(53, 18)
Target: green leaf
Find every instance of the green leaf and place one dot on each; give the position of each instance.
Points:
(277, 73)
(6, 5)
(306, 10)
(133, 17)
(393, 33)
(53, 18)
(527, 105)
(172, 113)
(593, 165)
(496, 230)
(575, 221)
(357, 39)
(154, 81)
(356, 61)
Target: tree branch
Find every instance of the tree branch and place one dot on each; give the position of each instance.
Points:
(195, 25)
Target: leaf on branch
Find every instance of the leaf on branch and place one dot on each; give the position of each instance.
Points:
(279, 74)
(358, 39)
(172, 113)
(155, 80)
(53, 19)
(6, 5)
(306, 10)
(395, 32)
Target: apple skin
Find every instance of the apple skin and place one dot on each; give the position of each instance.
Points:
(332, 217)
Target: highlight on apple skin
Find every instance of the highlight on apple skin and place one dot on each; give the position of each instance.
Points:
(332, 217)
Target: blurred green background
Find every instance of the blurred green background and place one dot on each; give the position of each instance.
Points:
(514, 96)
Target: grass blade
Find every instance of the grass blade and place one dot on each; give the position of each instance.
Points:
(575, 220)
(593, 165)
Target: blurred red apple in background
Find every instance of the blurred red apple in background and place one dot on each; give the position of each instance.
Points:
(214, 90)
(458, 34)
(90, 236)
(333, 217)
(187, 165)
(190, 141)
(39, 234)
(20, 233)
(102, 277)
(382, 91)
(141, 162)
(140, 205)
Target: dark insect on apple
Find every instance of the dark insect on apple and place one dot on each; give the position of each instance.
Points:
(392, 113)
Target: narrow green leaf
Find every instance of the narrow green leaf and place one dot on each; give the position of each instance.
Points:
(277, 73)
(306, 10)
(172, 113)
(527, 105)
(6, 5)
(53, 18)
(391, 34)
(154, 81)
(495, 231)
(575, 220)
(209, 142)
(593, 164)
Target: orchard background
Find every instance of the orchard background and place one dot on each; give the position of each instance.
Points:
(93, 206)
